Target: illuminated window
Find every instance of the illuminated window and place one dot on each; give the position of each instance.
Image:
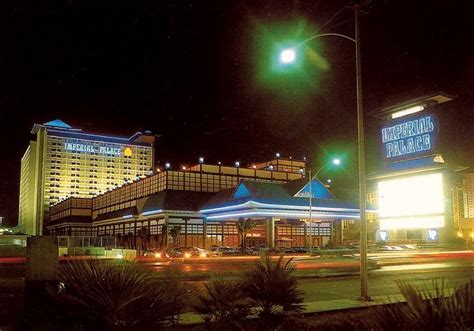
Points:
(407, 111)
(414, 202)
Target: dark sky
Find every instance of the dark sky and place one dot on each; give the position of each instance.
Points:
(189, 70)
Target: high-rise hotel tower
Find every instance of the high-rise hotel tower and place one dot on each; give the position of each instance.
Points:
(67, 162)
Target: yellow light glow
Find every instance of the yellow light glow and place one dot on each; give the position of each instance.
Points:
(413, 222)
(459, 234)
(158, 255)
(187, 255)
(127, 151)
(411, 202)
(472, 235)
(407, 111)
(203, 254)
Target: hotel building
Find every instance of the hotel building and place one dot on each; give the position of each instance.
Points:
(66, 162)
(463, 207)
(206, 201)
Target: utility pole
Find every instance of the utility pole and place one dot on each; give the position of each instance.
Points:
(362, 184)
(310, 213)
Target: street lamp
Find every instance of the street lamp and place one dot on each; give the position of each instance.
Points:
(334, 162)
(288, 56)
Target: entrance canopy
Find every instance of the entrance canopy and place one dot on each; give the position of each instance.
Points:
(291, 201)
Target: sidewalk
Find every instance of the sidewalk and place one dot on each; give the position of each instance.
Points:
(316, 307)
(325, 306)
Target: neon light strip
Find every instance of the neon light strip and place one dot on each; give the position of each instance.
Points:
(151, 212)
(90, 134)
(127, 216)
(257, 213)
(211, 210)
(299, 207)
(225, 208)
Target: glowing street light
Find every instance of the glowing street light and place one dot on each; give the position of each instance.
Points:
(335, 162)
(288, 56)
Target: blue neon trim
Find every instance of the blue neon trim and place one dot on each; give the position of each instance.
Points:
(282, 214)
(266, 205)
(151, 212)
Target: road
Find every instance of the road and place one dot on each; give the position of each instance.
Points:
(336, 279)
(405, 261)
(322, 280)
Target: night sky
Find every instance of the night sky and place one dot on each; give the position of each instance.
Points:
(191, 71)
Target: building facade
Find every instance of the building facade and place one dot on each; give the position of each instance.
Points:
(463, 207)
(206, 201)
(66, 162)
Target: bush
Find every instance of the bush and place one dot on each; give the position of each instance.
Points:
(427, 310)
(326, 323)
(116, 295)
(222, 305)
(272, 289)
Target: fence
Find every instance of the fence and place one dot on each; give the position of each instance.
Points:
(107, 242)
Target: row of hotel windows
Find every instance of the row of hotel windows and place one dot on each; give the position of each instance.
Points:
(124, 170)
(55, 149)
(96, 165)
(53, 174)
(190, 235)
(186, 181)
(56, 141)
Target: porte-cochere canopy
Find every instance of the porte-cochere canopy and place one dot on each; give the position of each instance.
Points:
(290, 201)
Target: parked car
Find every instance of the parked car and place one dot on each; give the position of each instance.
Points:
(156, 253)
(409, 246)
(300, 249)
(222, 250)
(188, 252)
(174, 252)
(392, 248)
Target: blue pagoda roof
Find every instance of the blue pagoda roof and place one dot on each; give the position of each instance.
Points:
(58, 123)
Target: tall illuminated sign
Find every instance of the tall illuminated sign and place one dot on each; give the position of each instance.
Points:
(412, 202)
(407, 138)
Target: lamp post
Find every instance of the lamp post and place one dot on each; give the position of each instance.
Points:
(334, 162)
(288, 56)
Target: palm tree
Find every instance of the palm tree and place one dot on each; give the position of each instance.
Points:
(164, 236)
(144, 238)
(243, 227)
(174, 233)
(272, 289)
(113, 295)
(222, 305)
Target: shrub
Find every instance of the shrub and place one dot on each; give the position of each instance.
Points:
(427, 310)
(272, 289)
(222, 305)
(117, 295)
